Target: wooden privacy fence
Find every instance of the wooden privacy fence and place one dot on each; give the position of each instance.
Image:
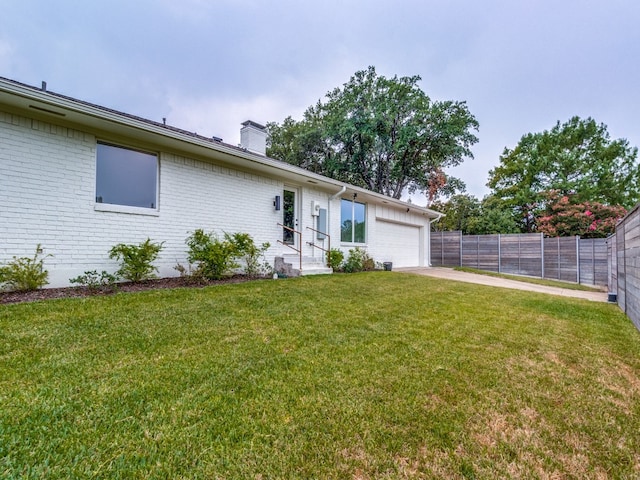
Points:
(624, 265)
(572, 259)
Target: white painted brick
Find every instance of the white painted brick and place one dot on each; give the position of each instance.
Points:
(47, 188)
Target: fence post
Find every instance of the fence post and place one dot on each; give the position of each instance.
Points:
(478, 252)
(499, 255)
(442, 249)
(559, 273)
(461, 251)
(593, 260)
(542, 253)
(519, 257)
(578, 258)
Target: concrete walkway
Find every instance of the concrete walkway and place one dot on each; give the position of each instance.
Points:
(451, 274)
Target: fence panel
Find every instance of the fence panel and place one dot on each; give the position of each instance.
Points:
(481, 251)
(622, 276)
(612, 256)
(593, 261)
(445, 249)
(521, 254)
(569, 259)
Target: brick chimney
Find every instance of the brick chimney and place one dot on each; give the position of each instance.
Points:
(253, 137)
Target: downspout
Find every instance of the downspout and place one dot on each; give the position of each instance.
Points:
(331, 198)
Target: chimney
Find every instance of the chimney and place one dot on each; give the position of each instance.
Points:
(253, 137)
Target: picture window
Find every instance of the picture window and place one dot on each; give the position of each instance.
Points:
(126, 177)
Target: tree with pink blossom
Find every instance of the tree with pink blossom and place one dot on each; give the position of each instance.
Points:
(564, 216)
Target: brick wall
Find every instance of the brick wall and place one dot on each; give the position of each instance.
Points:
(47, 189)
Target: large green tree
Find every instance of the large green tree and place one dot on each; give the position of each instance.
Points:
(383, 134)
(576, 158)
(473, 217)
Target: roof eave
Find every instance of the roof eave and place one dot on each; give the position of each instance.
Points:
(69, 110)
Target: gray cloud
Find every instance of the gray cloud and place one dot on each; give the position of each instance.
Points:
(207, 66)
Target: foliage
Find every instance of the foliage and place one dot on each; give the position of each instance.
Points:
(563, 217)
(214, 257)
(325, 378)
(136, 261)
(577, 158)
(358, 260)
(335, 257)
(252, 255)
(460, 213)
(95, 281)
(466, 213)
(25, 273)
(383, 134)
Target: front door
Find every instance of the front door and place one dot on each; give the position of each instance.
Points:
(289, 216)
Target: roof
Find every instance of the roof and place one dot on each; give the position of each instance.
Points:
(58, 108)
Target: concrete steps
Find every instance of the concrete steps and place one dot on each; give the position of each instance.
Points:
(290, 265)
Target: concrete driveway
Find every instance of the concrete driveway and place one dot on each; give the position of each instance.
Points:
(451, 274)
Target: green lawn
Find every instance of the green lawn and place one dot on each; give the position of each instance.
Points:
(364, 376)
(533, 280)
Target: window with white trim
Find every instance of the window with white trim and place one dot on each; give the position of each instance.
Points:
(352, 221)
(126, 177)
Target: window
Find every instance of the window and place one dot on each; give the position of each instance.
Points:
(352, 221)
(126, 177)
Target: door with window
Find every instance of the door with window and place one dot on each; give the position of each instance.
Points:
(290, 216)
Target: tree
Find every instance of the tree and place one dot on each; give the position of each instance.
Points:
(460, 213)
(577, 159)
(474, 217)
(382, 134)
(564, 217)
(494, 218)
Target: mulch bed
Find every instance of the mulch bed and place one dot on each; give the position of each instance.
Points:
(75, 292)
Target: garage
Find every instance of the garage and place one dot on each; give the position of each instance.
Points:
(399, 243)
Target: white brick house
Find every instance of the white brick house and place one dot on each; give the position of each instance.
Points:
(79, 178)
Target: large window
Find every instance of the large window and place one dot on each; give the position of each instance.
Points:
(352, 221)
(126, 177)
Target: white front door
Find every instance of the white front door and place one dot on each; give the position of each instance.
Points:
(290, 216)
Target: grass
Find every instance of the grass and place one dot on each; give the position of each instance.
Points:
(374, 375)
(533, 280)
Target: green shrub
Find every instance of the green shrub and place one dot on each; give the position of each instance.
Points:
(136, 261)
(25, 273)
(252, 256)
(95, 281)
(335, 257)
(358, 261)
(213, 257)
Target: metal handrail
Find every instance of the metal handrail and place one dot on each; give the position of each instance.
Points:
(299, 250)
(328, 249)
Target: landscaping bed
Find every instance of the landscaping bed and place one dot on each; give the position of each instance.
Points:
(76, 292)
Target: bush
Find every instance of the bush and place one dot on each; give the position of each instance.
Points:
(213, 257)
(250, 254)
(95, 281)
(335, 257)
(358, 261)
(136, 261)
(25, 273)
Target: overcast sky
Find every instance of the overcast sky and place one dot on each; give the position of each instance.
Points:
(208, 65)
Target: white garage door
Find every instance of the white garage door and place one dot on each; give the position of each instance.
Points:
(399, 244)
